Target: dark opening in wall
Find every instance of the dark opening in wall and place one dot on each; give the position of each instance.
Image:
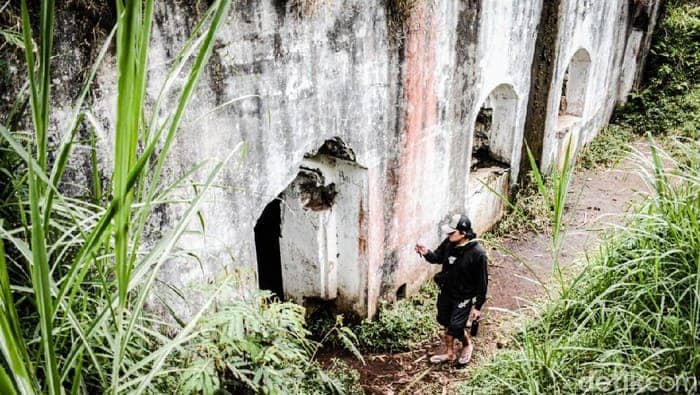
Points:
(401, 292)
(494, 129)
(313, 192)
(562, 100)
(481, 155)
(640, 14)
(267, 248)
(308, 240)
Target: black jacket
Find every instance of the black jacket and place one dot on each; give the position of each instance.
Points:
(464, 270)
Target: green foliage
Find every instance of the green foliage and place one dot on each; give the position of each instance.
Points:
(607, 148)
(347, 377)
(527, 212)
(256, 345)
(670, 102)
(633, 311)
(401, 325)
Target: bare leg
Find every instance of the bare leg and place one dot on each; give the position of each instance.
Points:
(449, 346)
(465, 353)
(449, 354)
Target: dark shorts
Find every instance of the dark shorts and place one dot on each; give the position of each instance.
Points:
(453, 313)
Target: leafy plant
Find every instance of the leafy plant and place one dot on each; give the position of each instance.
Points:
(347, 379)
(254, 345)
(401, 325)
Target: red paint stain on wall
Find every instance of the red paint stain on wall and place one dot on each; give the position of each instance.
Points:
(420, 120)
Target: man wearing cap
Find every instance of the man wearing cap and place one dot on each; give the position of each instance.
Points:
(462, 282)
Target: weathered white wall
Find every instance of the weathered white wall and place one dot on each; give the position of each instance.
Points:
(404, 102)
(601, 29)
(309, 241)
(486, 207)
(505, 46)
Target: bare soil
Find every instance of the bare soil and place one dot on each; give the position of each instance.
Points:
(519, 266)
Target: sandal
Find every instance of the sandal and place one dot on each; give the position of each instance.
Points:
(466, 356)
(441, 358)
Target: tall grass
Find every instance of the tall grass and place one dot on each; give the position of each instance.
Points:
(81, 306)
(631, 319)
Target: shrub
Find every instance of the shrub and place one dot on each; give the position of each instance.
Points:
(253, 346)
(670, 101)
(401, 325)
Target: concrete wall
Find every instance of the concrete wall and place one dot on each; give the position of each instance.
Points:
(402, 97)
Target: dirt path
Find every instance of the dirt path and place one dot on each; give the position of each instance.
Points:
(597, 201)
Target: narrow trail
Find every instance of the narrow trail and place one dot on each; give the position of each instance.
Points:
(597, 201)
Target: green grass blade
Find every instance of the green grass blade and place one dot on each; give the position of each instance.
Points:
(46, 31)
(30, 63)
(126, 133)
(6, 385)
(537, 174)
(12, 344)
(42, 285)
(77, 377)
(39, 265)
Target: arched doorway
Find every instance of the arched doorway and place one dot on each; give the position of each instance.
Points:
(491, 156)
(308, 238)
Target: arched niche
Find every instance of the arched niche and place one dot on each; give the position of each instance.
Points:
(575, 85)
(491, 153)
(494, 129)
(307, 239)
(572, 104)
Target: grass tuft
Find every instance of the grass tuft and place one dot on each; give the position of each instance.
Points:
(607, 148)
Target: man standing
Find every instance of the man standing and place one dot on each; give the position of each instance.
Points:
(462, 282)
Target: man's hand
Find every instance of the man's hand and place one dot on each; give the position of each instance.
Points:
(421, 249)
(475, 314)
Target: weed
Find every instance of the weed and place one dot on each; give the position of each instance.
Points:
(607, 148)
(527, 212)
(402, 325)
(345, 379)
(252, 345)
